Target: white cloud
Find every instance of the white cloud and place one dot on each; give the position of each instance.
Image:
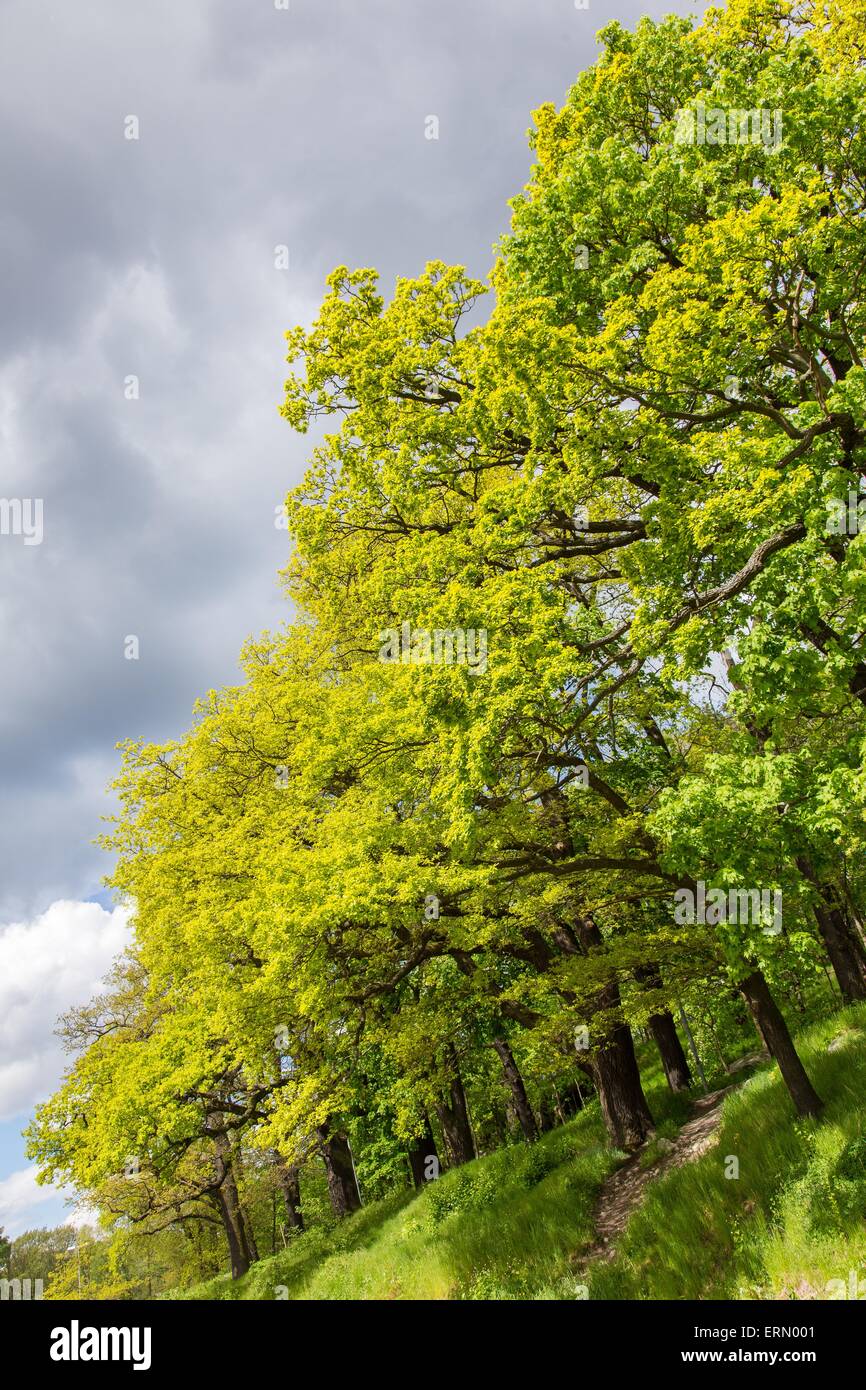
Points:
(21, 1197)
(46, 966)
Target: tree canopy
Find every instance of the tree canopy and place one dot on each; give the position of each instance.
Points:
(576, 634)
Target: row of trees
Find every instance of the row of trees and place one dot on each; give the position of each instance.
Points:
(393, 904)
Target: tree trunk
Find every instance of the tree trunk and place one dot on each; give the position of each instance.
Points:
(572, 1099)
(496, 1129)
(841, 943)
(614, 1066)
(246, 1221)
(665, 1036)
(453, 1116)
(522, 1107)
(288, 1177)
(228, 1201)
(421, 1152)
(546, 1113)
(667, 1040)
(774, 1031)
(249, 1234)
(342, 1184)
(238, 1258)
(844, 956)
(623, 1103)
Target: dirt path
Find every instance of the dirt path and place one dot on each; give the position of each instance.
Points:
(624, 1190)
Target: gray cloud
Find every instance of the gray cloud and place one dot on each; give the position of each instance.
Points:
(155, 258)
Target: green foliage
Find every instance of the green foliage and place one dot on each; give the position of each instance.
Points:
(571, 635)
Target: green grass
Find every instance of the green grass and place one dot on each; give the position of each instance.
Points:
(793, 1220)
(501, 1227)
(512, 1225)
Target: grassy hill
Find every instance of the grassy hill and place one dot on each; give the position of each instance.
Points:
(512, 1225)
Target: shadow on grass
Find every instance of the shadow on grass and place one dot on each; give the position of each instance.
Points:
(707, 1230)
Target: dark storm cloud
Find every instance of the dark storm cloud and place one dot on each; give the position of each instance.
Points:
(155, 258)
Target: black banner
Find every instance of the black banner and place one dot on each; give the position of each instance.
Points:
(86, 1340)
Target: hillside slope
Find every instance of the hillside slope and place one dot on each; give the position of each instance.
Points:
(519, 1223)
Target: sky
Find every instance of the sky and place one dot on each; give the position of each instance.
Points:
(178, 180)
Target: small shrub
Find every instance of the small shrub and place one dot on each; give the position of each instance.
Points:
(852, 1160)
(539, 1161)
